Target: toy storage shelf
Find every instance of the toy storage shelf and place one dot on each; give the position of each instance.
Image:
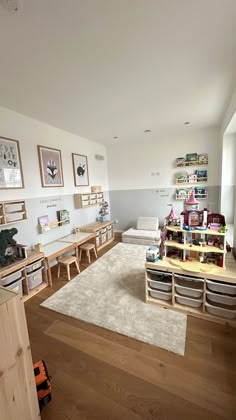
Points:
(104, 232)
(12, 212)
(89, 199)
(206, 295)
(204, 235)
(27, 276)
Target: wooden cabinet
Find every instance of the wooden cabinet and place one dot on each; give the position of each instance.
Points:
(104, 232)
(26, 277)
(18, 397)
(12, 211)
(89, 199)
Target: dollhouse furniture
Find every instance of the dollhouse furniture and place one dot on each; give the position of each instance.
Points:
(87, 248)
(67, 261)
(147, 232)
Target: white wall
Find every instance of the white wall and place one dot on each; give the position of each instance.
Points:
(130, 166)
(41, 201)
(228, 176)
(30, 133)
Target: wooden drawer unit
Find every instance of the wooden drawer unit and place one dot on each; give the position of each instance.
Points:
(104, 232)
(84, 200)
(12, 212)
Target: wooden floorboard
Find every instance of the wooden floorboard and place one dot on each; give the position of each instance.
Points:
(99, 374)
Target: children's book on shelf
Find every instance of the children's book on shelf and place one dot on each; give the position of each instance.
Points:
(203, 159)
(201, 175)
(191, 159)
(63, 217)
(200, 192)
(181, 177)
(182, 193)
(192, 178)
(43, 222)
(180, 161)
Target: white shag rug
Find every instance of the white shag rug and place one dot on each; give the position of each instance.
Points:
(110, 293)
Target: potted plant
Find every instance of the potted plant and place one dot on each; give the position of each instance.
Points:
(103, 211)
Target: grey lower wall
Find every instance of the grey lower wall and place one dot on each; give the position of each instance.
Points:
(128, 205)
(28, 233)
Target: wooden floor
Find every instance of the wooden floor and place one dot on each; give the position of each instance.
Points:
(98, 374)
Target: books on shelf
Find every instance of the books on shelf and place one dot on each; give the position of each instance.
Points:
(184, 192)
(197, 176)
(43, 222)
(63, 217)
(192, 159)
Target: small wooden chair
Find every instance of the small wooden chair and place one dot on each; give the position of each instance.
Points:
(88, 248)
(67, 261)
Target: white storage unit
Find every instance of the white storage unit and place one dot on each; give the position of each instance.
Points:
(189, 292)
(34, 266)
(160, 295)
(6, 280)
(16, 286)
(220, 287)
(182, 300)
(220, 312)
(35, 278)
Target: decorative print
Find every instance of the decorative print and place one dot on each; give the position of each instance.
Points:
(80, 168)
(50, 167)
(11, 175)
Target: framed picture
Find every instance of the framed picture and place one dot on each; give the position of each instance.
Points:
(50, 167)
(80, 168)
(11, 175)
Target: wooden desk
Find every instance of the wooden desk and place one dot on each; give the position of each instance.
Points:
(68, 243)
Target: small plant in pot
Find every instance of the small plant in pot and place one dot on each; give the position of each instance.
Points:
(103, 211)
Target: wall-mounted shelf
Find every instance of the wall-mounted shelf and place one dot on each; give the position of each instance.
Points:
(12, 212)
(90, 199)
(185, 192)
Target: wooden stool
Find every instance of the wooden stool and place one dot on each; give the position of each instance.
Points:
(67, 261)
(87, 247)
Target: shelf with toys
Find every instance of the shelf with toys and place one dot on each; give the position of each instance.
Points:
(196, 234)
(190, 274)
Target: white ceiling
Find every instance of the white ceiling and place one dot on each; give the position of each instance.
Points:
(104, 68)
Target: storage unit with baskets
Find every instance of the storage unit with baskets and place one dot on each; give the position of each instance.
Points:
(104, 232)
(26, 277)
(203, 294)
(12, 212)
(89, 199)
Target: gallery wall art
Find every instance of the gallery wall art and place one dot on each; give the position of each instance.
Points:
(50, 164)
(80, 168)
(11, 175)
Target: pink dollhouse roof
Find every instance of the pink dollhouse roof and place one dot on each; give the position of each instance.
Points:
(172, 215)
(192, 199)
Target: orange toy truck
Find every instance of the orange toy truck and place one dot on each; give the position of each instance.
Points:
(43, 383)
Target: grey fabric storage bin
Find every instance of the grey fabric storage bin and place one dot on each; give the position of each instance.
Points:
(11, 278)
(35, 278)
